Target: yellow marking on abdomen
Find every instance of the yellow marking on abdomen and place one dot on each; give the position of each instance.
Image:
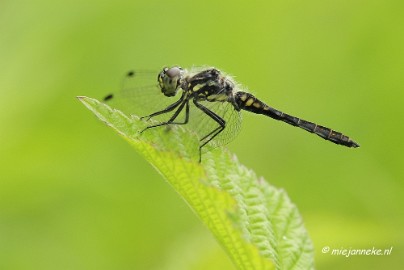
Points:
(257, 105)
(249, 102)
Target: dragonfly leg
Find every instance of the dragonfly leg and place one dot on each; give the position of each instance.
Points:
(175, 115)
(166, 110)
(211, 135)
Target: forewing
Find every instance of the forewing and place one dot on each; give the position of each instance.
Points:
(140, 94)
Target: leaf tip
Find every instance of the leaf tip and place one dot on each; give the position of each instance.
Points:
(90, 103)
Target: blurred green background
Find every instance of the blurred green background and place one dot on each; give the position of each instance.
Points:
(73, 195)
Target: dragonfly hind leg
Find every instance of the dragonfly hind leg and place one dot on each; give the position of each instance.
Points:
(211, 135)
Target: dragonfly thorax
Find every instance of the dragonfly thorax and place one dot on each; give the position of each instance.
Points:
(210, 85)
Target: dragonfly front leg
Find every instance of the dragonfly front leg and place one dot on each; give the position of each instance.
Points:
(175, 115)
(166, 110)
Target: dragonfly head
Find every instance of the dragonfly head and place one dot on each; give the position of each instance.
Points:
(170, 80)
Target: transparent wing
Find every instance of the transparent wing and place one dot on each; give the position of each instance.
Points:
(140, 94)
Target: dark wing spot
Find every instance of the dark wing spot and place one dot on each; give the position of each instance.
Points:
(109, 97)
(130, 73)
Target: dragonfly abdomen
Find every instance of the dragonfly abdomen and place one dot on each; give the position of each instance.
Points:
(248, 102)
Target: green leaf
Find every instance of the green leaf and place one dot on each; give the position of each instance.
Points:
(256, 223)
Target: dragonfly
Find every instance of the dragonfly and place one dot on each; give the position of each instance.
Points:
(205, 99)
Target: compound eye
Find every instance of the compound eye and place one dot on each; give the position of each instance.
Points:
(173, 72)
